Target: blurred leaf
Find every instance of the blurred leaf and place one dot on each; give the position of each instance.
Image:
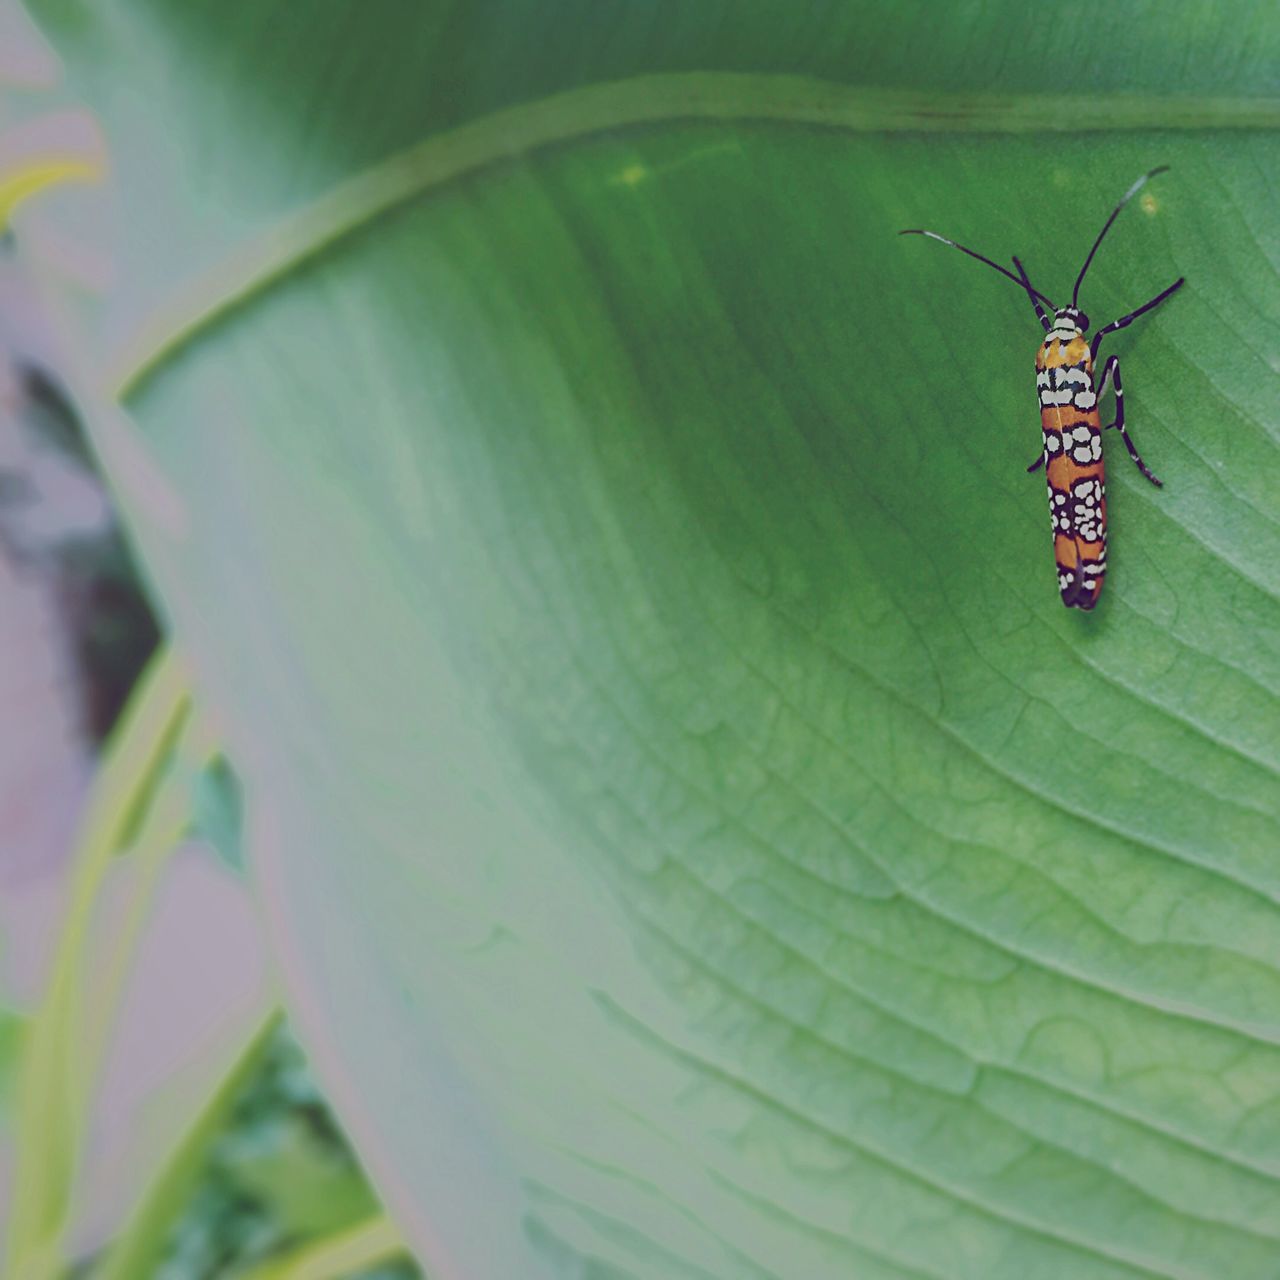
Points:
(280, 1193)
(25, 60)
(43, 152)
(64, 1042)
(336, 1257)
(11, 1029)
(20, 186)
(218, 816)
(698, 841)
(309, 1193)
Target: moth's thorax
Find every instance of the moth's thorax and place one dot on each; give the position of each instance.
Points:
(1068, 323)
(1064, 374)
(1063, 331)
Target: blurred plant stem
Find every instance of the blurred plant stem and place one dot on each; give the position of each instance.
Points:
(141, 808)
(129, 808)
(141, 1244)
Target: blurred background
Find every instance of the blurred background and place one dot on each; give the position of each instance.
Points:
(187, 977)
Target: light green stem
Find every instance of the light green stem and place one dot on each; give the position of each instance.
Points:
(50, 1109)
(141, 1244)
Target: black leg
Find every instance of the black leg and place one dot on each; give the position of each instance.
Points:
(1112, 374)
(1037, 464)
(1035, 302)
(1131, 317)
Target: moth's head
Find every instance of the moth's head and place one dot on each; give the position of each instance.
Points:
(1071, 318)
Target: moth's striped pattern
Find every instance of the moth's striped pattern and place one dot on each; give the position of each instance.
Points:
(1073, 464)
(1071, 421)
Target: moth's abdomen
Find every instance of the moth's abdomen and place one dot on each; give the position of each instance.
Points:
(1074, 469)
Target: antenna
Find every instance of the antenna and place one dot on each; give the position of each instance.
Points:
(1115, 213)
(1022, 284)
(1026, 282)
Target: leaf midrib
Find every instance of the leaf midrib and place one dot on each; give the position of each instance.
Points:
(579, 113)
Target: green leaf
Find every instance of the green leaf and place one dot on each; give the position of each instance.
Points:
(370, 1242)
(309, 1194)
(699, 842)
(218, 810)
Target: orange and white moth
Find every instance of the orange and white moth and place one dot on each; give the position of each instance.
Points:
(1071, 423)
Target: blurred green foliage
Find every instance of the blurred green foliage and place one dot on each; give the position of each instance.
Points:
(279, 1176)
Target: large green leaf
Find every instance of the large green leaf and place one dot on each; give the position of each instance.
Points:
(699, 841)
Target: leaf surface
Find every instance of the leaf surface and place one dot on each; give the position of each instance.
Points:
(700, 843)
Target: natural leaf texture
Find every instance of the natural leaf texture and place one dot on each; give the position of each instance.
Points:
(699, 841)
